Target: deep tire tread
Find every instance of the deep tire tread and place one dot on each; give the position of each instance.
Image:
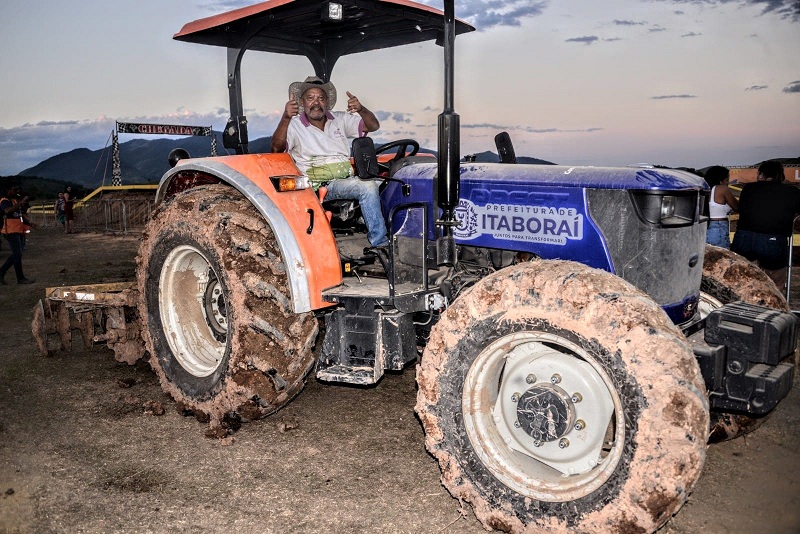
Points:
(223, 220)
(666, 411)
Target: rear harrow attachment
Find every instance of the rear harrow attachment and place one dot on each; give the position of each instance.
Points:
(102, 313)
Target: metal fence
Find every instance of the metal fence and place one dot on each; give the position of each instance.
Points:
(113, 216)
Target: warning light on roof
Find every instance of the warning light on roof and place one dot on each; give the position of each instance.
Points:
(331, 11)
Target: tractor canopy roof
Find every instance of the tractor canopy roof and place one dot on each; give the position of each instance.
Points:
(304, 27)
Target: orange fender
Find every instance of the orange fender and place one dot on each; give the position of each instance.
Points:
(297, 219)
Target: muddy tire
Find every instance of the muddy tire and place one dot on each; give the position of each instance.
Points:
(219, 325)
(559, 398)
(728, 277)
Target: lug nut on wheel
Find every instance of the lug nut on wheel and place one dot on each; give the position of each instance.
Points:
(576, 397)
(580, 424)
(555, 379)
(515, 397)
(530, 379)
(563, 443)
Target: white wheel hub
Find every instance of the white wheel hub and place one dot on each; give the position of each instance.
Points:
(542, 416)
(540, 409)
(192, 307)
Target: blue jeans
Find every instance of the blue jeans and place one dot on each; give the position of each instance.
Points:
(368, 196)
(718, 234)
(15, 240)
(771, 251)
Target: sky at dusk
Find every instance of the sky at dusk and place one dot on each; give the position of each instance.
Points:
(584, 82)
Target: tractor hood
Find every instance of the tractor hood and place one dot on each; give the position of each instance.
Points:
(565, 176)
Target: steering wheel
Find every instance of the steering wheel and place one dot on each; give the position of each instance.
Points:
(402, 146)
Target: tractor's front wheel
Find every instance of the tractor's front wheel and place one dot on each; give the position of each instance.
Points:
(559, 398)
(219, 326)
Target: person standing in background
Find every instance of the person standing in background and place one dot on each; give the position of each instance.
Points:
(59, 210)
(13, 230)
(69, 214)
(767, 209)
(721, 202)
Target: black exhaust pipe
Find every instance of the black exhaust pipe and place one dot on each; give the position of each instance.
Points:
(448, 179)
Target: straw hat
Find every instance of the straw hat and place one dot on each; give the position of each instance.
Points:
(297, 89)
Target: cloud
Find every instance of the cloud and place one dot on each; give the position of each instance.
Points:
(793, 87)
(221, 6)
(629, 23)
(394, 116)
(487, 125)
(486, 14)
(756, 87)
(657, 28)
(22, 147)
(587, 39)
(668, 97)
(785, 9)
(691, 34)
(526, 129)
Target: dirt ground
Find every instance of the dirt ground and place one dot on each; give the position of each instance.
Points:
(82, 451)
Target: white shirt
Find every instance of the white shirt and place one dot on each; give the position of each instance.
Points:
(716, 210)
(323, 155)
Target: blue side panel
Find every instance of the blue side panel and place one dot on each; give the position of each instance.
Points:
(549, 222)
(539, 209)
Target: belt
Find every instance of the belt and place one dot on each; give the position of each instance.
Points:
(725, 219)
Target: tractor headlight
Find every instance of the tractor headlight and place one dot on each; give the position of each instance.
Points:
(667, 209)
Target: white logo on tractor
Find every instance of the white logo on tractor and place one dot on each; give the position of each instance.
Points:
(540, 224)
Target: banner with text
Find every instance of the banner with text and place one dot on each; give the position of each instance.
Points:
(162, 129)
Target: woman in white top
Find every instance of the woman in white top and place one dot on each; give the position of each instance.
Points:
(720, 204)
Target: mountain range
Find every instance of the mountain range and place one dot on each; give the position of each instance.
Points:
(145, 161)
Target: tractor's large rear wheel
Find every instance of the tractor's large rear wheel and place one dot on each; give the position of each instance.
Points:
(729, 277)
(219, 325)
(559, 398)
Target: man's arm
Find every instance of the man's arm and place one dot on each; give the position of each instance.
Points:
(279, 136)
(371, 123)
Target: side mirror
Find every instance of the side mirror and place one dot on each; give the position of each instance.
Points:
(234, 137)
(505, 149)
(366, 161)
(177, 154)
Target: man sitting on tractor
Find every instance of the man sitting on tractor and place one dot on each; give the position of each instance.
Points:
(319, 139)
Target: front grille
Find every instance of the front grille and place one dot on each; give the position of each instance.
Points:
(665, 263)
